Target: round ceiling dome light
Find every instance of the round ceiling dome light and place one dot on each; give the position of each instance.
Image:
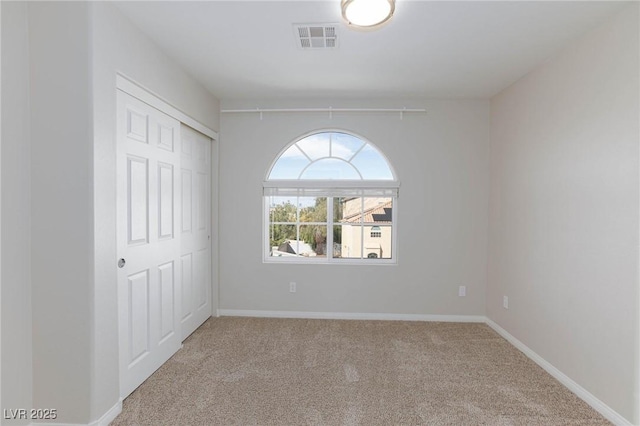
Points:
(367, 14)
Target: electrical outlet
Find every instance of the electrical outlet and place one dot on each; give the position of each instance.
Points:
(462, 291)
(292, 287)
(505, 302)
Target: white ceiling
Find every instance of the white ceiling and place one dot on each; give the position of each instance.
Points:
(450, 49)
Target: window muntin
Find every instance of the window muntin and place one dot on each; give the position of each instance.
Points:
(330, 197)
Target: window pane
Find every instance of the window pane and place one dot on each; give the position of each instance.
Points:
(378, 214)
(347, 229)
(350, 209)
(337, 241)
(313, 209)
(330, 155)
(350, 240)
(377, 210)
(365, 227)
(313, 240)
(331, 168)
(282, 209)
(372, 164)
(350, 228)
(377, 243)
(337, 209)
(315, 146)
(282, 240)
(344, 146)
(386, 239)
(289, 165)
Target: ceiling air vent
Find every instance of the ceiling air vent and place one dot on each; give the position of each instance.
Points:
(316, 36)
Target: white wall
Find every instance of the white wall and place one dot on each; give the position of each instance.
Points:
(442, 162)
(0, 208)
(59, 334)
(564, 212)
(61, 207)
(119, 47)
(16, 233)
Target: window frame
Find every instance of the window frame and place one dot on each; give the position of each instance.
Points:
(330, 188)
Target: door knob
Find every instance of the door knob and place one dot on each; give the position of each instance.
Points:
(121, 263)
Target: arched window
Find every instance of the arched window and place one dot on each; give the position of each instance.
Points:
(330, 196)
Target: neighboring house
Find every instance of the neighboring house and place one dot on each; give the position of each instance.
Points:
(367, 228)
(293, 248)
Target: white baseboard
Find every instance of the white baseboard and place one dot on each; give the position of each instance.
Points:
(350, 316)
(581, 392)
(106, 418)
(109, 416)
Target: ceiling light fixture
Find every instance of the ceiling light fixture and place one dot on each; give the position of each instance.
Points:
(367, 14)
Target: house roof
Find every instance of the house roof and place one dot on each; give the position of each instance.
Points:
(377, 214)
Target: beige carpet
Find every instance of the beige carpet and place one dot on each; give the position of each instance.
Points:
(251, 371)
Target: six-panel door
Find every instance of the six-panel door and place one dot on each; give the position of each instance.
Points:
(195, 231)
(149, 229)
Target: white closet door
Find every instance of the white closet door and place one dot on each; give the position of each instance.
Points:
(149, 223)
(195, 229)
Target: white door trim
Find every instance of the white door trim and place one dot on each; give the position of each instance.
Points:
(136, 90)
